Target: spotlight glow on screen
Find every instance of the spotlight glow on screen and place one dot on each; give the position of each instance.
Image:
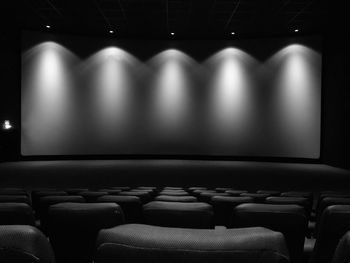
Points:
(200, 98)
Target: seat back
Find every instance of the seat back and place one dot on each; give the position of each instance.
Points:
(15, 199)
(24, 244)
(152, 244)
(290, 220)
(342, 253)
(16, 214)
(334, 223)
(178, 214)
(131, 206)
(73, 228)
(223, 208)
(172, 198)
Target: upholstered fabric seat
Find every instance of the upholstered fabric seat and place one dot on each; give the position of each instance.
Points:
(91, 196)
(223, 207)
(178, 214)
(334, 223)
(145, 197)
(342, 252)
(131, 206)
(174, 198)
(73, 228)
(15, 199)
(258, 198)
(287, 219)
(16, 214)
(24, 244)
(152, 244)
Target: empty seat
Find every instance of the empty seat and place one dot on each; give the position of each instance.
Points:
(308, 195)
(131, 206)
(342, 253)
(223, 207)
(12, 191)
(286, 200)
(287, 219)
(152, 244)
(173, 193)
(37, 194)
(176, 214)
(150, 192)
(16, 214)
(75, 191)
(110, 191)
(46, 201)
(24, 244)
(144, 196)
(269, 192)
(91, 196)
(236, 192)
(198, 192)
(15, 199)
(222, 189)
(206, 196)
(194, 188)
(123, 188)
(173, 188)
(334, 223)
(258, 198)
(174, 198)
(73, 228)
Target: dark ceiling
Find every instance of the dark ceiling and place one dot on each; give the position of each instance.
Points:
(186, 18)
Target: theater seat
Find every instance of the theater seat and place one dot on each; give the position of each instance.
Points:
(236, 192)
(46, 201)
(287, 219)
(123, 188)
(91, 196)
(24, 244)
(110, 191)
(144, 196)
(152, 244)
(174, 193)
(12, 191)
(258, 198)
(172, 198)
(223, 208)
(131, 206)
(286, 200)
(75, 191)
(206, 196)
(269, 192)
(334, 223)
(178, 214)
(16, 214)
(73, 228)
(15, 199)
(37, 194)
(342, 253)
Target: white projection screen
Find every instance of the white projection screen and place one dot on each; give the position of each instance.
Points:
(97, 96)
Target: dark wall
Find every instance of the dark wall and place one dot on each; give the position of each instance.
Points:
(336, 93)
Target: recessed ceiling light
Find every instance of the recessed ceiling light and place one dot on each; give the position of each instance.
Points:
(172, 33)
(48, 26)
(111, 31)
(233, 33)
(296, 30)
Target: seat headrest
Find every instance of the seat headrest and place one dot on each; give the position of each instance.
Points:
(24, 244)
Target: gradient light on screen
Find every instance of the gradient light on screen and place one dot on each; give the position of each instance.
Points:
(170, 101)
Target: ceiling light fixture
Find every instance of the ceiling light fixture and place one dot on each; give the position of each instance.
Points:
(172, 33)
(48, 26)
(296, 30)
(233, 33)
(111, 31)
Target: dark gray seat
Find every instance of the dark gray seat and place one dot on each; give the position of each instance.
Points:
(236, 192)
(24, 244)
(287, 219)
(15, 199)
(152, 244)
(269, 192)
(258, 198)
(342, 253)
(131, 206)
(223, 208)
(207, 196)
(91, 196)
(16, 214)
(145, 197)
(334, 223)
(73, 228)
(172, 198)
(178, 214)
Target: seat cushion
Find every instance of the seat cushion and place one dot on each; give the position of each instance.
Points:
(16, 214)
(144, 243)
(342, 253)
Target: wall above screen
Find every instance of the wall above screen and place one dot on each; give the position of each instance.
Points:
(93, 96)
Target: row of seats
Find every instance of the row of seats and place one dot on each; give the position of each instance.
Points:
(63, 219)
(134, 243)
